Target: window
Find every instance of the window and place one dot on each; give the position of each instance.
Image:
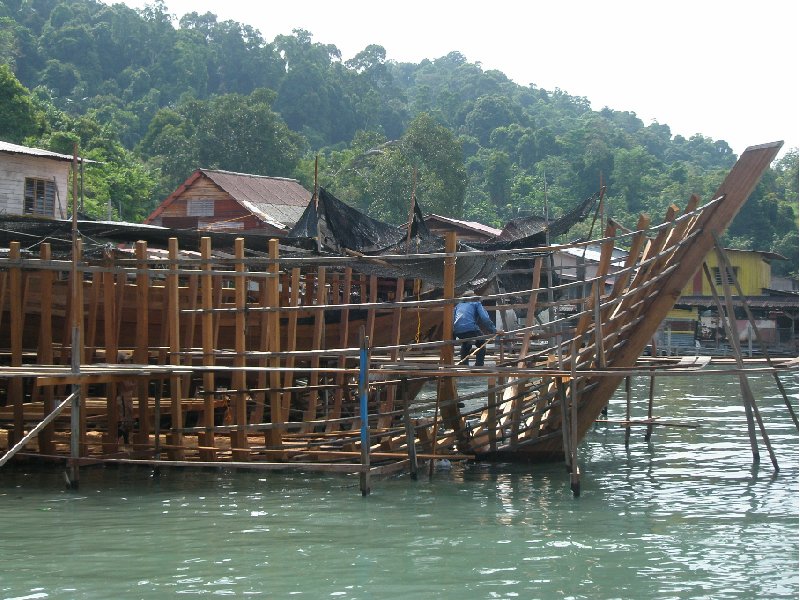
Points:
(199, 207)
(718, 275)
(40, 197)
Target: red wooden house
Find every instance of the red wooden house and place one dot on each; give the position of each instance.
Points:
(213, 200)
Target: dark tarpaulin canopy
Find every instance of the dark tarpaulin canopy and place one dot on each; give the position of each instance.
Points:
(532, 232)
(343, 230)
(340, 227)
(327, 227)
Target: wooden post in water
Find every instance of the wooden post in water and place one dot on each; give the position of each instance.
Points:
(649, 431)
(575, 475)
(364, 412)
(446, 388)
(733, 338)
(491, 418)
(723, 256)
(628, 393)
(411, 437)
(76, 317)
(565, 421)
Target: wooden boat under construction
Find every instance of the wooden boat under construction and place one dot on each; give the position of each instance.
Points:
(240, 361)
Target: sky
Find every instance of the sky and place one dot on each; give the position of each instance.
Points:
(727, 69)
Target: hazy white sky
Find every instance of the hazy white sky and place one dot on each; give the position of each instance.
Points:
(727, 69)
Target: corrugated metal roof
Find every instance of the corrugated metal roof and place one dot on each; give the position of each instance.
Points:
(278, 201)
(17, 149)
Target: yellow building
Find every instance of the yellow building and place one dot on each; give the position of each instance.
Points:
(694, 323)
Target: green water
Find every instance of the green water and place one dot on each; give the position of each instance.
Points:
(685, 516)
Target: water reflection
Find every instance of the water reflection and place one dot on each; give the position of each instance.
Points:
(685, 515)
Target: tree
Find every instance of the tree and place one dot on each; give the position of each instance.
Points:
(18, 115)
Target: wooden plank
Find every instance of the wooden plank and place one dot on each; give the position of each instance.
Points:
(316, 344)
(17, 317)
(338, 397)
(90, 340)
(239, 436)
(277, 416)
(291, 339)
(735, 190)
(516, 390)
(110, 342)
(260, 396)
(207, 340)
(141, 353)
(175, 437)
(45, 350)
(387, 406)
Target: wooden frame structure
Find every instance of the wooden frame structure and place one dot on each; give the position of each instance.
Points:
(239, 361)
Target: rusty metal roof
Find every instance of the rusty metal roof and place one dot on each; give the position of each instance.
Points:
(276, 200)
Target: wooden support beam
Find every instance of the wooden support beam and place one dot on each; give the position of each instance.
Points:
(239, 381)
(141, 354)
(17, 317)
(45, 350)
(277, 415)
(207, 328)
(175, 438)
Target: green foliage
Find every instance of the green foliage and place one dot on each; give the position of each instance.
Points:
(167, 96)
(18, 115)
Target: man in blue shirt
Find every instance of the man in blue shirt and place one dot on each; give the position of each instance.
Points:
(471, 320)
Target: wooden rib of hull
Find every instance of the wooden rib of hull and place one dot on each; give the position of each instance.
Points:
(617, 322)
(415, 326)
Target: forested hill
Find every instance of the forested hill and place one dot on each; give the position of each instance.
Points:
(154, 97)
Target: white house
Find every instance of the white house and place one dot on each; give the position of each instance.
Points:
(33, 181)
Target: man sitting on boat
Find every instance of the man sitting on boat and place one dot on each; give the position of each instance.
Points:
(470, 320)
